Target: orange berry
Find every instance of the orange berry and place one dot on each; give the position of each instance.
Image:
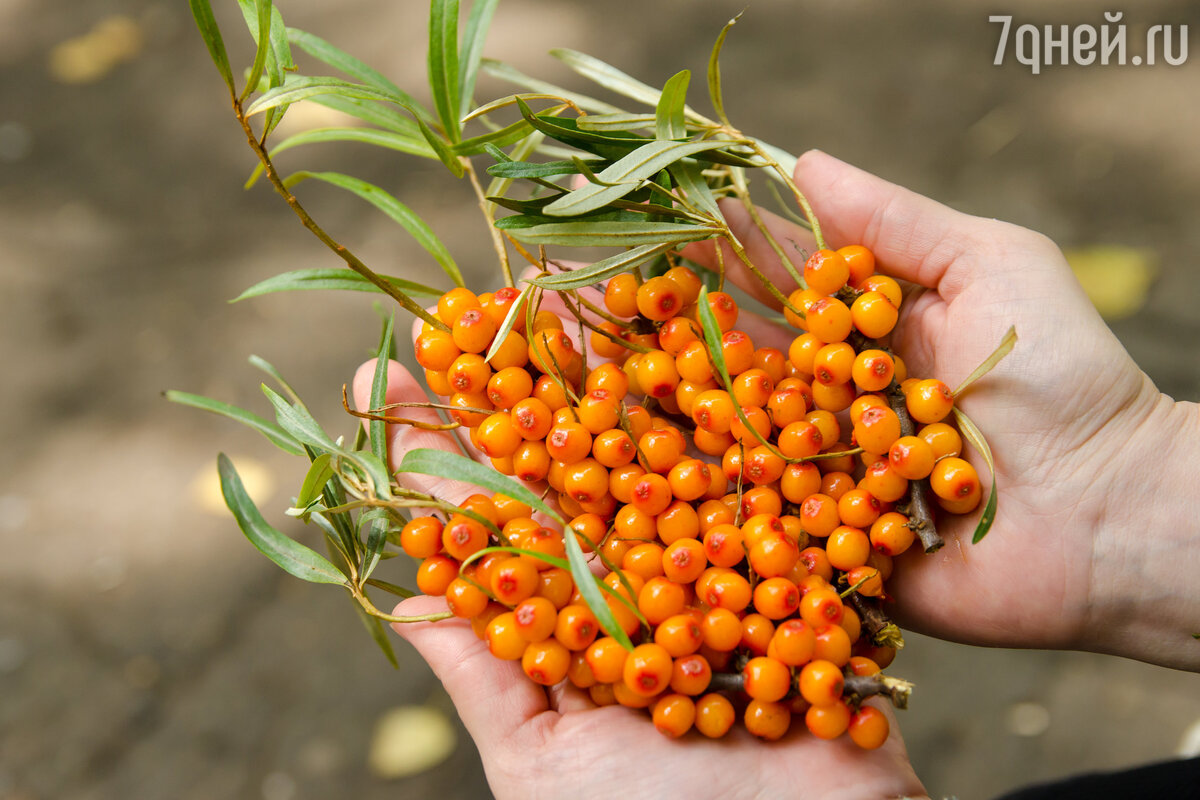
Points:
(421, 537)
(793, 643)
(469, 374)
(816, 562)
(821, 607)
(531, 461)
(953, 478)
(873, 370)
(606, 657)
(860, 261)
(929, 401)
(660, 599)
(497, 436)
(678, 332)
(643, 560)
(692, 363)
(673, 715)
(891, 535)
(800, 439)
(833, 397)
(727, 590)
(819, 515)
(835, 484)
(786, 406)
(455, 302)
(873, 314)
(884, 482)
(886, 286)
(550, 392)
(513, 581)
(678, 521)
(660, 449)
(535, 618)
(833, 364)
(576, 627)
(684, 560)
(568, 443)
(765, 678)
(877, 429)
(760, 423)
(723, 545)
(942, 439)
(586, 480)
(691, 674)
(659, 299)
(858, 508)
(868, 727)
(473, 331)
(767, 720)
(911, 457)
(757, 631)
(827, 423)
(714, 715)
(679, 635)
(847, 547)
(724, 309)
(762, 466)
(620, 295)
(722, 630)
(803, 350)
(738, 350)
(632, 523)
(647, 670)
(821, 682)
(826, 271)
(829, 320)
(862, 403)
(503, 639)
(799, 481)
(657, 375)
(776, 598)
(545, 662)
(752, 388)
(613, 448)
(465, 599)
(869, 578)
(462, 537)
(621, 481)
(828, 722)
(833, 644)
(509, 386)
(436, 350)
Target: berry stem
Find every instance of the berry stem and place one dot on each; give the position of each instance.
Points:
(860, 687)
(920, 516)
(883, 631)
(487, 209)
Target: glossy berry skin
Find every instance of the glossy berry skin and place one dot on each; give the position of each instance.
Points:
(929, 401)
(647, 670)
(861, 262)
(715, 715)
(545, 662)
(659, 299)
(673, 715)
(955, 479)
(829, 721)
(767, 720)
(874, 315)
(821, 683)
(765, 678)
(868, 727)
(826, 271)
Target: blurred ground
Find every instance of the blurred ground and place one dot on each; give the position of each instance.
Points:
(146, 651)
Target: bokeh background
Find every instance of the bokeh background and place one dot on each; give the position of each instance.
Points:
(147, 651)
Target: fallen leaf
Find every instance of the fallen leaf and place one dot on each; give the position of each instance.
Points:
(1115, 277)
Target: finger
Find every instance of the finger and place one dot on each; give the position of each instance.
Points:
(493, 697)
(403, 387)
(566, 698)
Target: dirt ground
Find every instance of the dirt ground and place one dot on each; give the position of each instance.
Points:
(146, 651)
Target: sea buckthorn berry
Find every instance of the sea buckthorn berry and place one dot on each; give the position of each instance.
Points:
(762, 466)
(757, 631)
(469, 374)
(479, 622)
(692, 363)
(659, 299)
(514, 580)
(606, 657)
(868, 727)
(828, 722)
(435, 575)
(724, 310)
(660, 599)
(436, 350)
(643, 560)
(833, 397)
(819, 515)
(877, 430)
(821, 682)
(829, 320)
(884, 482)
(622, 479)
(816, 562)
(833, 642)
(722, 630)
(556, 585)
(765, 678)
(772, 361)
(545, 320)
(438, 382)
(714, 715)
(620, 295)
(497, 436)
(633, 523)
(835, 484)
(586, 480)
(687, 392)
(510, 386)
(691, 675)
(501, 303)
(576, 627)
(773, 556)
(613, 448)
(883, 284)
(473, 331)
(864, 402)
(833, 364)
(891, 535)
(787, 406)
(689, 479)
(513, 351)
(821, 607)
(679, 635)
(752, 388)
(651, 494)
(598, 411)
(647, 670)
(799, 481)
(713, 512)
(873, 370)
(759, 422)
(954, 479)
(800, 439)
(858, 508)
(684, 560)
(462, 537)
(826, 271)
(465, 599)
(503, 639)
(470, 409)
(793, 643)
(723, 545)
(873, 314)
(548, 348)
(545, 662)
(550, 392)
(535, 618)
(911, 457)
(767, 720)
(861, 665)
(738, 351)
(678, 332)
(455, 302)
(689, 283)
(606, 341)
(860, 261)
(531, 461)
(727, 590)
(673, 715)
(803, 350)
(609, 377)
(660, 449)
(797, 300)
(569, 443)
(656, 374)
(929, 401)
(942, 439)
(827, 423)
(848, 547)
(678, 521)
(761, 500)
(869, 578)
(759, 527)
(421, 537)
(776, 598)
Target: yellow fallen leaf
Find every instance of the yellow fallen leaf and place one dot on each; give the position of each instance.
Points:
(410, 739)
(1115, 277)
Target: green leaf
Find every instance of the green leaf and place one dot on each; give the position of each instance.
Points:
(443, 64)
(392, 140)
(442, 149)
(264, 9)
(207, 23)
(333, 278)
(279, 437)
(607, 76)
(507, 72)
(1007, 343)
(615, 122)
(376, 113)
(399, 212)
(323, 51)
(627, 173)
(714, 71)
(299, 423)
(391, 588)
(525, 148)
(502, 137)
(527, 169)
(260, 363)
(478, 22)
(601, 270)
(514, 313)
(292, 556)
(689, 178)
(442, 464)
(375, 627)
(319, 473)
(377, 428)
(377, 522)
(305, 87)
(610, 233)
(668, 117)
(974, 437)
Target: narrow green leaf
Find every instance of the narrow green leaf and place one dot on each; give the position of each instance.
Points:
(289, 554)
(586, 583)
(442, 464)
(260, 363)
(607, 76)
(601, 270)
(305, 87)
(377, 521)
(975, 438)
(714, 71)
(392, 140)
(377, 428)
(668, 116)
(527, 169)
(479, 20)
(525, 148)
(607, 233)
(507, 72)
(333, 278)
(376, 113)
(323, 51)
(690, 179)
(315, 479)
(264, 8)
(207, 23)
(627, 174)
(501, 137)
(514, 313)
(374, 626)
(1004, 348)
(277, 435)
(615, 122)
(298, 422)
(443, 64)
(391, 588)
(399, 212)
(442, 149)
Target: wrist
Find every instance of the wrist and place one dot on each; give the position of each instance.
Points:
(1144, 593)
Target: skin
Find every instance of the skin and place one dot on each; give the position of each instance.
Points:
(1091, 548)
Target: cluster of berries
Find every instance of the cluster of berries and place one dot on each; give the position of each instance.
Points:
(745, 540)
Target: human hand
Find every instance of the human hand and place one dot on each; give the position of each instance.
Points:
(1071, 421)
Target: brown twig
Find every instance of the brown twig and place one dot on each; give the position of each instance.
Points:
(883, 631)
(860, 687)
(920, 515)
